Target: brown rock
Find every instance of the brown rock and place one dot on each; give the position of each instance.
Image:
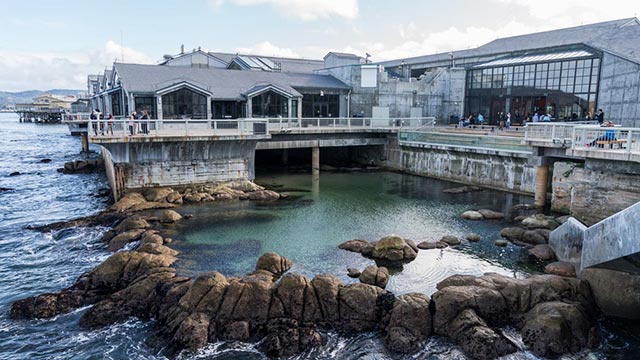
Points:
(473, 237)
(169, 216)
(532, 237)
(490, 214)
(353, 273)
(274, 263)
(472, 215)
(409, 324)
(617, 293)
(174, 198)
(157, 194)
(150, 206)
(120, 240)
(501, 243)
(373, 275)
(542, 252)
(450, 240)
(128, 201)
(355, 245)
(512, 233)
(427, 245)
(561, 268)
(264, 195)
(358, 307)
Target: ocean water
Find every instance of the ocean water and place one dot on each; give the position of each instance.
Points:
(307, 227)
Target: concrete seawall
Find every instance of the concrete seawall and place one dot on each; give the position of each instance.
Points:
(174, 163)
(493, 170)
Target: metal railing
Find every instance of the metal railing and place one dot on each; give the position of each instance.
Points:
(349, 123)
(178, 127)
(192, 127)
(596, 138)
(552, 132)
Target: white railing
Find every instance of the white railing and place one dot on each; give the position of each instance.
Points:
(165, 127)
(349, 123)
(552, 132)
(596, 138)
(77, 117)
(178, 127)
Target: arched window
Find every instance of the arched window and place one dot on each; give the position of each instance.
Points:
(269, 104)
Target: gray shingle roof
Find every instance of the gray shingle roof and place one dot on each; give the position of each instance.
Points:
(604, 36)
(287, 64)
(222, 83)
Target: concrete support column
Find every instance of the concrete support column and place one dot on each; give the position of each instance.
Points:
(209, 111)
(84, 138)
(289, 114)
(315, 160)
(542, 178)
(285, 157)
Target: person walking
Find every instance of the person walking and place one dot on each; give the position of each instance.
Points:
(480, 119)
(508, 122)
(546, 118)
(94, 124)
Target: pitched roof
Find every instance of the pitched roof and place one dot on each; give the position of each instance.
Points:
(603, 36)
(222, 83)
(343, 55)
(286, 64)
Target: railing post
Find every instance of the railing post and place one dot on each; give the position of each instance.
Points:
(629, 141)
(186, 127)
(553, 131)
(157, 123)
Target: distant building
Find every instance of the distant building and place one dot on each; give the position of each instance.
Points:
(46, 107)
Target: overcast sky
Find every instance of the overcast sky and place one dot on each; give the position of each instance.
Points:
(54, 44)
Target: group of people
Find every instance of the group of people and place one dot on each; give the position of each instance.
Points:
(99, 126)
(144, 125)
(106, 127)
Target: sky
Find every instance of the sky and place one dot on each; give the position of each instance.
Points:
(48, 44)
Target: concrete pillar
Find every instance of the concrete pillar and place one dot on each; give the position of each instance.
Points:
(84, 138)
(299, 115)
(285, 157)
(542, 177)
(315, 160)
(209, 113)
(289, 114)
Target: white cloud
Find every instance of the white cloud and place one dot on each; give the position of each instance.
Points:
(575, 12)
(304, 9)
(268, 49)
(48, 70)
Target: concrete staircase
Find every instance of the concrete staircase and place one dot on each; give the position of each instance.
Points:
(613, 243)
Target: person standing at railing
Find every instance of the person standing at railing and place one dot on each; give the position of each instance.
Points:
(536, 117)
(110, 124)
(94, 124)
(600, 116)
(145, 123)
(132, 123)
(508, 122)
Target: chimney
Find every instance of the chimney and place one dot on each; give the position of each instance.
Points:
(181, 49)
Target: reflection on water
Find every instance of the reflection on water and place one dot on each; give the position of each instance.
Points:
(322, 212)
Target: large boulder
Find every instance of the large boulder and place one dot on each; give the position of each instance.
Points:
(373, 275)
(561, 268)
(264, 195)
(122, 239)
(393, 251)
(532, 237)
(409, 324)
(357, 307)
(128, 201)
(428, 245)
(274, 263)
(540, 221)
(169, 216)
(555, 328)
(542, 252)
(616, 293)
(512, 233)
(450, 240)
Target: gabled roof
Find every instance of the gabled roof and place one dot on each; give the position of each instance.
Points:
(179, 56)
(222, 83)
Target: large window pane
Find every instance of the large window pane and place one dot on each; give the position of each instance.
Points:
(146, 103)
(184, 104)
(269, 104)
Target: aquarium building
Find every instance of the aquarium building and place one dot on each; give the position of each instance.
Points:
(567, 73)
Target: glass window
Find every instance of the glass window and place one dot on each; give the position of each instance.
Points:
(269, 104)
(314, 105)
(486, 78)
(541, 75)
(477, 79)
(518, 75)
(508, 76)
(184, 104)
(116, 104)
(145, 103)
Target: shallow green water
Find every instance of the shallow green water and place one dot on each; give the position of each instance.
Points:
(320, 214)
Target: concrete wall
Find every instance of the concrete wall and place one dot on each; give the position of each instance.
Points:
(619, 90)
(489, 170)
(590, 192)
(566, 241)
(181, 162)
(439, 93)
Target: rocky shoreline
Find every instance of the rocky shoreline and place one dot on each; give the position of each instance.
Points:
(286, 312)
